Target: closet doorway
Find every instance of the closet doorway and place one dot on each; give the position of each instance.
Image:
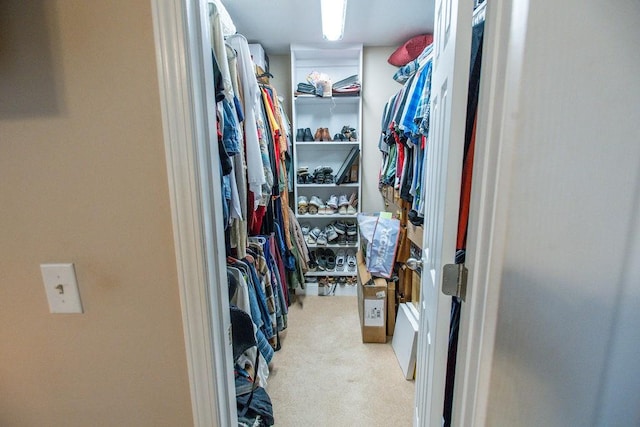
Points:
(185, 86)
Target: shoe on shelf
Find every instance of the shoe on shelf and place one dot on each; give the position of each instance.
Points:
(330, 231)
(305, 229)
(318, 135)
(322, 239)
(329, 178)
(351, 262)
(349, 133)
(332, 202)
(326, 136)
(340, 227)
(315, 204)
(338, 137)
(312, 238)
(352, 229)
(331, 262)
(343, 203)
(341, 256)
(300, 134)
(321, 259)
(353, 204)
(302, 205)
(307, 135)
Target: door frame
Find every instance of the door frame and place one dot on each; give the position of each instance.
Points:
(181, 35)
(183, 53)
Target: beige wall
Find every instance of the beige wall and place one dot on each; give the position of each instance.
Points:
(377, 87)
(83, 180)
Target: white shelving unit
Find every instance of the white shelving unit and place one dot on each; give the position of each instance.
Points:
(315, 112)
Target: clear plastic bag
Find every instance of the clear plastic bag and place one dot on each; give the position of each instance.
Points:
(381, 236)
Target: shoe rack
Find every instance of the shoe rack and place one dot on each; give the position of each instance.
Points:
(326, 129)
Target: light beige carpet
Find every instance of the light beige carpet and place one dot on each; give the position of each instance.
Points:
(325, 376)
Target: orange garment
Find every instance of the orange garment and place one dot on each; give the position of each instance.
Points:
(465, 191)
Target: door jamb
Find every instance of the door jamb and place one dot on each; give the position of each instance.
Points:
(181, 33)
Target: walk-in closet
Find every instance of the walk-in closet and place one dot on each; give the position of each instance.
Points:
(331, 200)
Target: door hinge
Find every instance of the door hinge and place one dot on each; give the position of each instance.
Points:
(454, 280)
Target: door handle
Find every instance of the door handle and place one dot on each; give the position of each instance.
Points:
(414, 264)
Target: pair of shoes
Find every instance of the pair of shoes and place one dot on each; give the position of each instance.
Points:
(322, 134)
(304, 134)
(326, 259)
(347, 206)
(303, 176)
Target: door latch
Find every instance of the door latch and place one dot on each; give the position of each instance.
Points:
(454, 280)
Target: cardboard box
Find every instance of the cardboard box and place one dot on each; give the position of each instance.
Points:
(391, 307)
(415, 288)
(414, 233)
(372, 305)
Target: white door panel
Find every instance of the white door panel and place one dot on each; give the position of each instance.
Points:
(443, 168)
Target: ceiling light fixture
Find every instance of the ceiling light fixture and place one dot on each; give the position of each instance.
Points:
(333, 14)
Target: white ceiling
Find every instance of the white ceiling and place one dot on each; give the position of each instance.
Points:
(278, 23)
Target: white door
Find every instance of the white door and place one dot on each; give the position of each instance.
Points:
(443, 168)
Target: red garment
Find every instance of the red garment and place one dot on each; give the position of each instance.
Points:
(258, 216)
(465, 191)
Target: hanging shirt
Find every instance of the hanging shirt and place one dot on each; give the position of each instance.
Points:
(251, 103)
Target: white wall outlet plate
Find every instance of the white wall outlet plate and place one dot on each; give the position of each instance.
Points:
(61, 287)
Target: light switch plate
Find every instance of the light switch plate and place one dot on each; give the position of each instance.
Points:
(61, 287)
